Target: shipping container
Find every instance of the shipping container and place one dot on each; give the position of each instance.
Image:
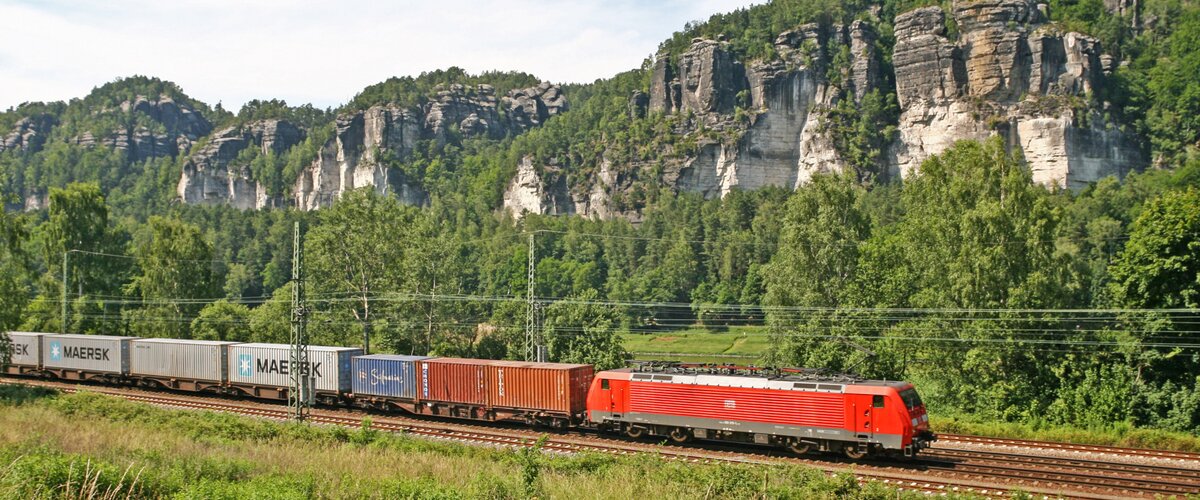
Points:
(200, 360)
(550, 387)
(26, 348)
(388, 375)
(89, 353)
(453, 380)
(269, 365)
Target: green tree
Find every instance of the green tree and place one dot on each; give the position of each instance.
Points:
(1160, 264)
(271, 321)
(176, 277)
(357, 251)
(223, 320)
(582, 331)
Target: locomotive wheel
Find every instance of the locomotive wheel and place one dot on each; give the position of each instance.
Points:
(799, 447)
(680, 435)
(853, 453)
(635, 432)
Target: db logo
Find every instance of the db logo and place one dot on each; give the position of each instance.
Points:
(730, 404)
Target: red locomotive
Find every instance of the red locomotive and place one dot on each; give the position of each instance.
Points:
(800, 413)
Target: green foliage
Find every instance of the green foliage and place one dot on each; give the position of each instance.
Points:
(176, 274)
(1160, 265)
(408, 91)
(222, 320)
(583, 332)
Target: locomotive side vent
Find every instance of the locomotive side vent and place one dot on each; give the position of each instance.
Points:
(804, 385)
(829, 387)
(642, 376)
(666, 378)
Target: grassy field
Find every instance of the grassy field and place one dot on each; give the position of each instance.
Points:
(744, 344)
(90, 446)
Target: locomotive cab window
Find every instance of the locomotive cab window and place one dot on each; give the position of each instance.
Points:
(877, 401)
(604, 384)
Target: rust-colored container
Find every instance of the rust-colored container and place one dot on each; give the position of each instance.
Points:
(452, 380)
(552, 387)
(548, 387)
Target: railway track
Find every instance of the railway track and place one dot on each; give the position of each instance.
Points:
(942, 470)
(1069, 447)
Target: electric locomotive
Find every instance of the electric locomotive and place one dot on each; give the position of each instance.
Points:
(798, 412)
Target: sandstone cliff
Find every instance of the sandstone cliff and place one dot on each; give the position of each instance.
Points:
(366, 141)
(1005, 70)
(173, 127)
(755, 125)
(1008, 73)
(212, 176)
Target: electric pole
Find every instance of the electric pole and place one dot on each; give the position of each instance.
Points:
(534, 350)
(63, 327)
(300, 396)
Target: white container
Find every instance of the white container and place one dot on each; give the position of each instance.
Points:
(26, 348)
(269, 365)
(200, 360)
(92, 353)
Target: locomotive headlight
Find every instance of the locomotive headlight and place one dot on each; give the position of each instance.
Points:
(914, 421)
(925, 417)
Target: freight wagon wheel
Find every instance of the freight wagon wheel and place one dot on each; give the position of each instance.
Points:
(635, 432)
(680, 435)
(799, 447)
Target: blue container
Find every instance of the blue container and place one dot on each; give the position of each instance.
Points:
(388, 375)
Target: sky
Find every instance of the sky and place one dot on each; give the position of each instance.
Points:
(320, 52)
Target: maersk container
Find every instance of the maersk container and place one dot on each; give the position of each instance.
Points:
(199, 360)
(269, 365)
(26, 348)
(388, 375)
(550, 387)
(453, 380)
(90, 353)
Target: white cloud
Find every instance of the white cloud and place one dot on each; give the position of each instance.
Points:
(320, 52)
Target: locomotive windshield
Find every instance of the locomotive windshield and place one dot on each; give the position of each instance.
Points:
(911, 399)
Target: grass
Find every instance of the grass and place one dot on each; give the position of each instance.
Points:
(740, 344)
(86, 445)
(1120, 434)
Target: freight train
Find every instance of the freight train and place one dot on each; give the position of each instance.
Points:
(796, 411)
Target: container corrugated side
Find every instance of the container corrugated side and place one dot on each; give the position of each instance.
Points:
(388, 375)
(26, 348)
(453, 380)
(93, 353)
(553, 387)
(269, 365)
(201, 360)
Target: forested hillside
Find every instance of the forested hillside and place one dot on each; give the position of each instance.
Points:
(1000, 293)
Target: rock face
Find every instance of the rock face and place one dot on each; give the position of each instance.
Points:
(181, 125)
(364, 146)
(754, 127)
(28, 134)
(211, 175)
(1008, 73)
(354, 157)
